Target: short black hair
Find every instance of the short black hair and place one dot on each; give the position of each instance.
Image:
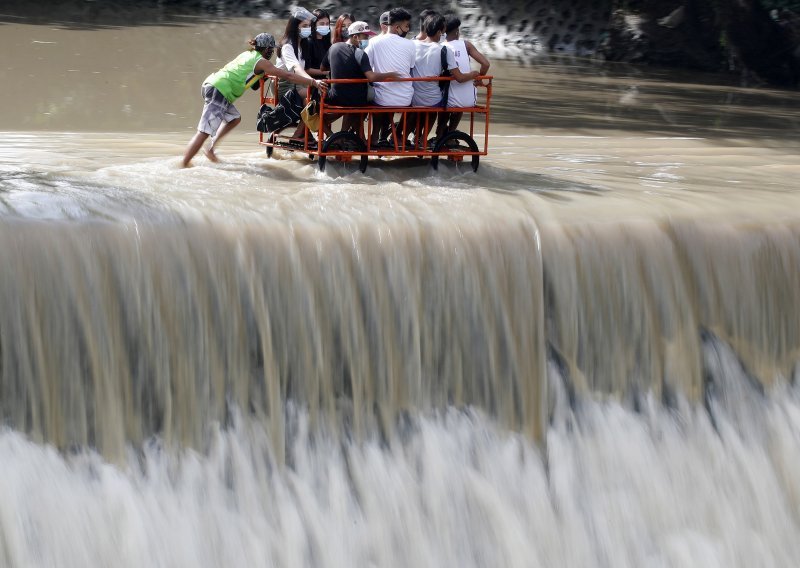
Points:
(424, 14)
(453, 23)
(397, 15)
(433, 24)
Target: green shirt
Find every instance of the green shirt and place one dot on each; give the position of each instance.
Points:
(230, 79)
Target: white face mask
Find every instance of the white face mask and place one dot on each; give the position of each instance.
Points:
(305, 32)
(323, 30)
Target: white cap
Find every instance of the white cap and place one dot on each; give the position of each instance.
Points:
(359, 28)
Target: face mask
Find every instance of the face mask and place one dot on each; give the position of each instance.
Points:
(323, 30)
(402, 33)
(305, 33)
(363, 43)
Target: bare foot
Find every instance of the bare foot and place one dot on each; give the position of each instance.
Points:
(209, 153)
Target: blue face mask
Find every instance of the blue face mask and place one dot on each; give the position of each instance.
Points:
(363, 43)
(323, 30)
(305, 33)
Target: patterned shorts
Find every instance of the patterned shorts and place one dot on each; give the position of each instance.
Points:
(216, 110)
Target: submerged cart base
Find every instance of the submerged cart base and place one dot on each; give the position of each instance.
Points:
(417, 123)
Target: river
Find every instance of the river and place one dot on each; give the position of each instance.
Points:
(585, 354)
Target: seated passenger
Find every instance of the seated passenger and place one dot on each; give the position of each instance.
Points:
(349, 61)
(422, 15)
(393, 53)
(340, 30)
(384, 23)
(430, 56)
(317, 46)
(291, 58)
(433, 60)
(462, 95)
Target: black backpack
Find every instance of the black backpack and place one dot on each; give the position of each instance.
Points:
(286, 114)
(444, 86)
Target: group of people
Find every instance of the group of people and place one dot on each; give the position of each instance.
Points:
(312, 50)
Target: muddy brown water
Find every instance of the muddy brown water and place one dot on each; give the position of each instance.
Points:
(581, 355)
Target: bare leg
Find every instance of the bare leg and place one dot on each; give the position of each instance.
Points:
(300, 132)
(224, 128)
(195, 144)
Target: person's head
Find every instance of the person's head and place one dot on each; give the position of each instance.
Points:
(422, 15)
(384, 22)
(340, 29)
(359, 34)
(453, 26)
(434, 26)
(298, 27)
(263, 43)
(399, 22)
(322, 24)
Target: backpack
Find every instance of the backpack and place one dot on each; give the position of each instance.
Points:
(286, 113)
(370, 88)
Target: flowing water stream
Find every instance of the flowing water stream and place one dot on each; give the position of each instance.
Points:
(583, 355)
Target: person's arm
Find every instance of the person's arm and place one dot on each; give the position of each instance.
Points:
(317, 72)
(264, 66)
(479, 57)
(293, 63)
(461, 77)
(378, 77)
(366, 68)
(455, 72)
(325, 66)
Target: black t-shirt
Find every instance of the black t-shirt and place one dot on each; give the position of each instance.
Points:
(314, 51)
(341, 60)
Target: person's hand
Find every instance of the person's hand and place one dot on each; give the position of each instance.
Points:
(394, 75)
(321, 85)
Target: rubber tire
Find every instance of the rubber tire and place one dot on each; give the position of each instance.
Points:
(344, 141)
(462, 137)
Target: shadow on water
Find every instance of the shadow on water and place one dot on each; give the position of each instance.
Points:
(460, 177)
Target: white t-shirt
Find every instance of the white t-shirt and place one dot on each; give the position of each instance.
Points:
(429, 64)
(461, 94)
(392, 53)
(289, 60)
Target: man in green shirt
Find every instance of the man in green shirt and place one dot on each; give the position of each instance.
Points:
(222, 88)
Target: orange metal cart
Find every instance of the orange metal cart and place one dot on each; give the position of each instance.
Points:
(345, 146)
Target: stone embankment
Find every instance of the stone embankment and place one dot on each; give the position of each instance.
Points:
(740, 36)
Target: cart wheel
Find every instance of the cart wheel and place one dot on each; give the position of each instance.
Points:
(344, 142)
(456, 141)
